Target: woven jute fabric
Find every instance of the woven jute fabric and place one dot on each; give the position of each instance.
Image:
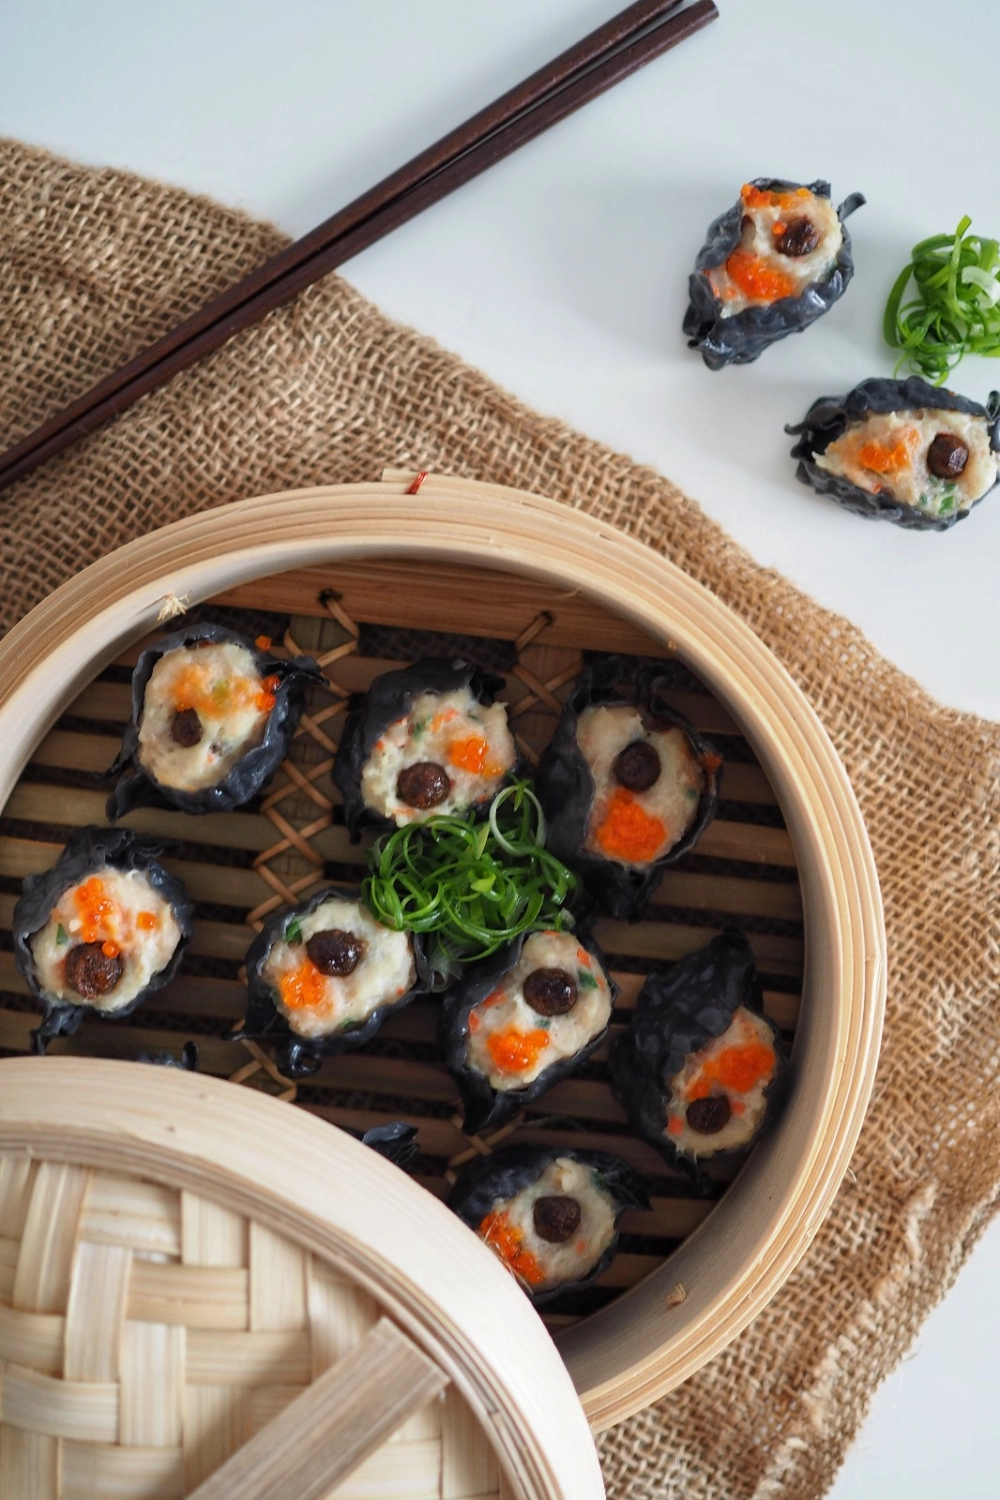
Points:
(93, 265)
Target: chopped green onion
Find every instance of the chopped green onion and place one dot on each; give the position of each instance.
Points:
(293, 932)
(586, 980)
(956, 307)
(471, 886)
(61, 935)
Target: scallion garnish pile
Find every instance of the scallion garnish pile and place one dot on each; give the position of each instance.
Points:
(473, 886)
(956, 308)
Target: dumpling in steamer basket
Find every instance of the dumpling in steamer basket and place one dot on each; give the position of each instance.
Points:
(627, 785)
(100, 931)
(902, 451)
(549, 1213)
(324, 976)
(701, 1069)
(518, 1022)
(428, 739)
(212, 718)
(770, 266)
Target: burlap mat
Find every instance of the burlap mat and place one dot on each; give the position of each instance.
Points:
(93, 265)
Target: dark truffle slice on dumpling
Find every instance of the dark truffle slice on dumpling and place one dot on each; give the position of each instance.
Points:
(323, 976)
(549, 1213)
(427, 739)
(100, 931)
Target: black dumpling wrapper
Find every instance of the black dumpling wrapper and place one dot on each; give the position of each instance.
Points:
(828, 418)
(298, 1056)
(742, 338)
(137, 787)
(678, 1013)
(504, 1173)
(486, 1107)
(90, 850)
(397, 1141)
(389, 699)
(565, 786)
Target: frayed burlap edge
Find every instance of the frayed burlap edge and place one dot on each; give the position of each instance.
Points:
(94, 264)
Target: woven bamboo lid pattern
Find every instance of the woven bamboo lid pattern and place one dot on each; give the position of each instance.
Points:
(155, 1321)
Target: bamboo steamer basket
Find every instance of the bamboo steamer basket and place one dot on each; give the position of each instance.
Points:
(475, 559)
(208, 1294)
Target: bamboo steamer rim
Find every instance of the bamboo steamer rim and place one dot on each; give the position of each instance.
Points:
(647, 1342)
(342, 1202)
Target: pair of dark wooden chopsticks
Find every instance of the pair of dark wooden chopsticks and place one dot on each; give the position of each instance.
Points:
(628, 41)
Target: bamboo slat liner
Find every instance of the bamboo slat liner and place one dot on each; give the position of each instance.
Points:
(296, 835)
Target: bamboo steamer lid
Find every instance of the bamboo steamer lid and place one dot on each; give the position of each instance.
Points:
(206, 1293)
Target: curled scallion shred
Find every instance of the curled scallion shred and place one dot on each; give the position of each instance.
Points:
(956, 307)
(472, 886)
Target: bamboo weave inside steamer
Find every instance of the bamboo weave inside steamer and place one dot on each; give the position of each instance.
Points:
(360, 621)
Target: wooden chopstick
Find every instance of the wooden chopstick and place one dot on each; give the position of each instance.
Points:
(631, 39)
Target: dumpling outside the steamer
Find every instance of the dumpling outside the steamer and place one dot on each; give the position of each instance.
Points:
(770, 266)
(212, 717)
(627, 785)
(101, 930)
(518, 1022)
(549, 1214)
(426, 740)
(697, 1071)
(902, 451)
(324, 976)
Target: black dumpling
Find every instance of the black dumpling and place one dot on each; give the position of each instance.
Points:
(485, 1107)
(388, 700)
(297, 1056)
(828, 418)
(677, 1013)
(501, 1175)
(565, 785)
(89, 850)
(742, 338)
(138, 787)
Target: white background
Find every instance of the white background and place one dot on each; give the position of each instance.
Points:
(562, 273)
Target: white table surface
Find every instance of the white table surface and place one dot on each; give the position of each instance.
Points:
(562, 274)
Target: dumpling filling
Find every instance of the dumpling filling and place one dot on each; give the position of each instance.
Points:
(647, 784)
(104, 941)
(939, 462)
(717, 1100)
(548, 1007)
(789, 239)
(204, 708)
(449, 753)
(335, 966)
(555, 1230)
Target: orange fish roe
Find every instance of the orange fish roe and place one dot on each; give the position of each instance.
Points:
(110, 950)
(264, 642)
(739, 1068)
(755, 278)
(472, 754)
(95, 908)
(628, 831)
(147, 921)
(501, 1235)
(303, 988)
(199, 687)
(675, 1125)
(515, 1051)
(885, 459)
(755, 197)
